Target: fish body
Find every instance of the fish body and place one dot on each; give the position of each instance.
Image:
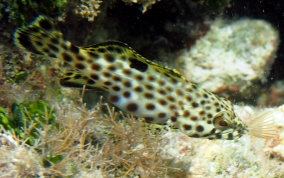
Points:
(135, 84)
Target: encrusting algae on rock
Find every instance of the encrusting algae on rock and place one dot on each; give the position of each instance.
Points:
(138, 86)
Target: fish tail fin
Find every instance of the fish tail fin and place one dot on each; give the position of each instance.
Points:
(40, 37)
(263, 125)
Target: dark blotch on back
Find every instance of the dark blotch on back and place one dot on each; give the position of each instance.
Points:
(136, 64)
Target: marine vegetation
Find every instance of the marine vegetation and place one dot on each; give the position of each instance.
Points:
(138, 86)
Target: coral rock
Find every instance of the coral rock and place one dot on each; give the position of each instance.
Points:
(232, 55)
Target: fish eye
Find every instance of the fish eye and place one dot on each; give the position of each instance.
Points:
(219, 122)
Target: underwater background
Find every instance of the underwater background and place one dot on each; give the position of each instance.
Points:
(231, 48)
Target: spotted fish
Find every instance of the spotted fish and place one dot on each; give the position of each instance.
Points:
(135, 84)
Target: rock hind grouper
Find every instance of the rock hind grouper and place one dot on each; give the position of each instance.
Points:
(138, 86)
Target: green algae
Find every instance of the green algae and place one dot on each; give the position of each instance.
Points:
(27, 119)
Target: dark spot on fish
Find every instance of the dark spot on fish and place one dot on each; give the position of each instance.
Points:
(95, 76)
(201, 112)
(138, 89)
(116, 78)
(116, 88)
(77, 76)
(187, 127)
(186, 113)
(150, 106)
(46, 51)
(51, 55)
(173, 119)
(91, 82)
(69, 73)
(67, 57)
(109, 58)
(174, 81)
(194, 104)
(45, 24)
(173, 107)
(199, 128)
(54, 40)
(127, 71)
(111, 68)
(139, 77)
(74, 49)
(216, 104)
(149, 95)
(64, 46)
(117, 49)
(171, 98)
(219, 136)
(93, 54)
(110, 48)
(106, 74)
(126, 94)
(162, 115)
(102, 50)
(162, 92)
(179, 92)
(151, 78)
(66, 83)
(33, 29)
(127, 84)
(193, 118)
(149, 119)
(132, 107)
(230, 136)
(161, 82)
(123, 57)
(188, 98)
(80, 66)
(39, 43)
(53, 47)
(80, 58)
(25, 41)
(189, 90)
(162, 101)
(114, 98)
(96, 67)
(138, 65)
(108, 83)
(149, 87)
